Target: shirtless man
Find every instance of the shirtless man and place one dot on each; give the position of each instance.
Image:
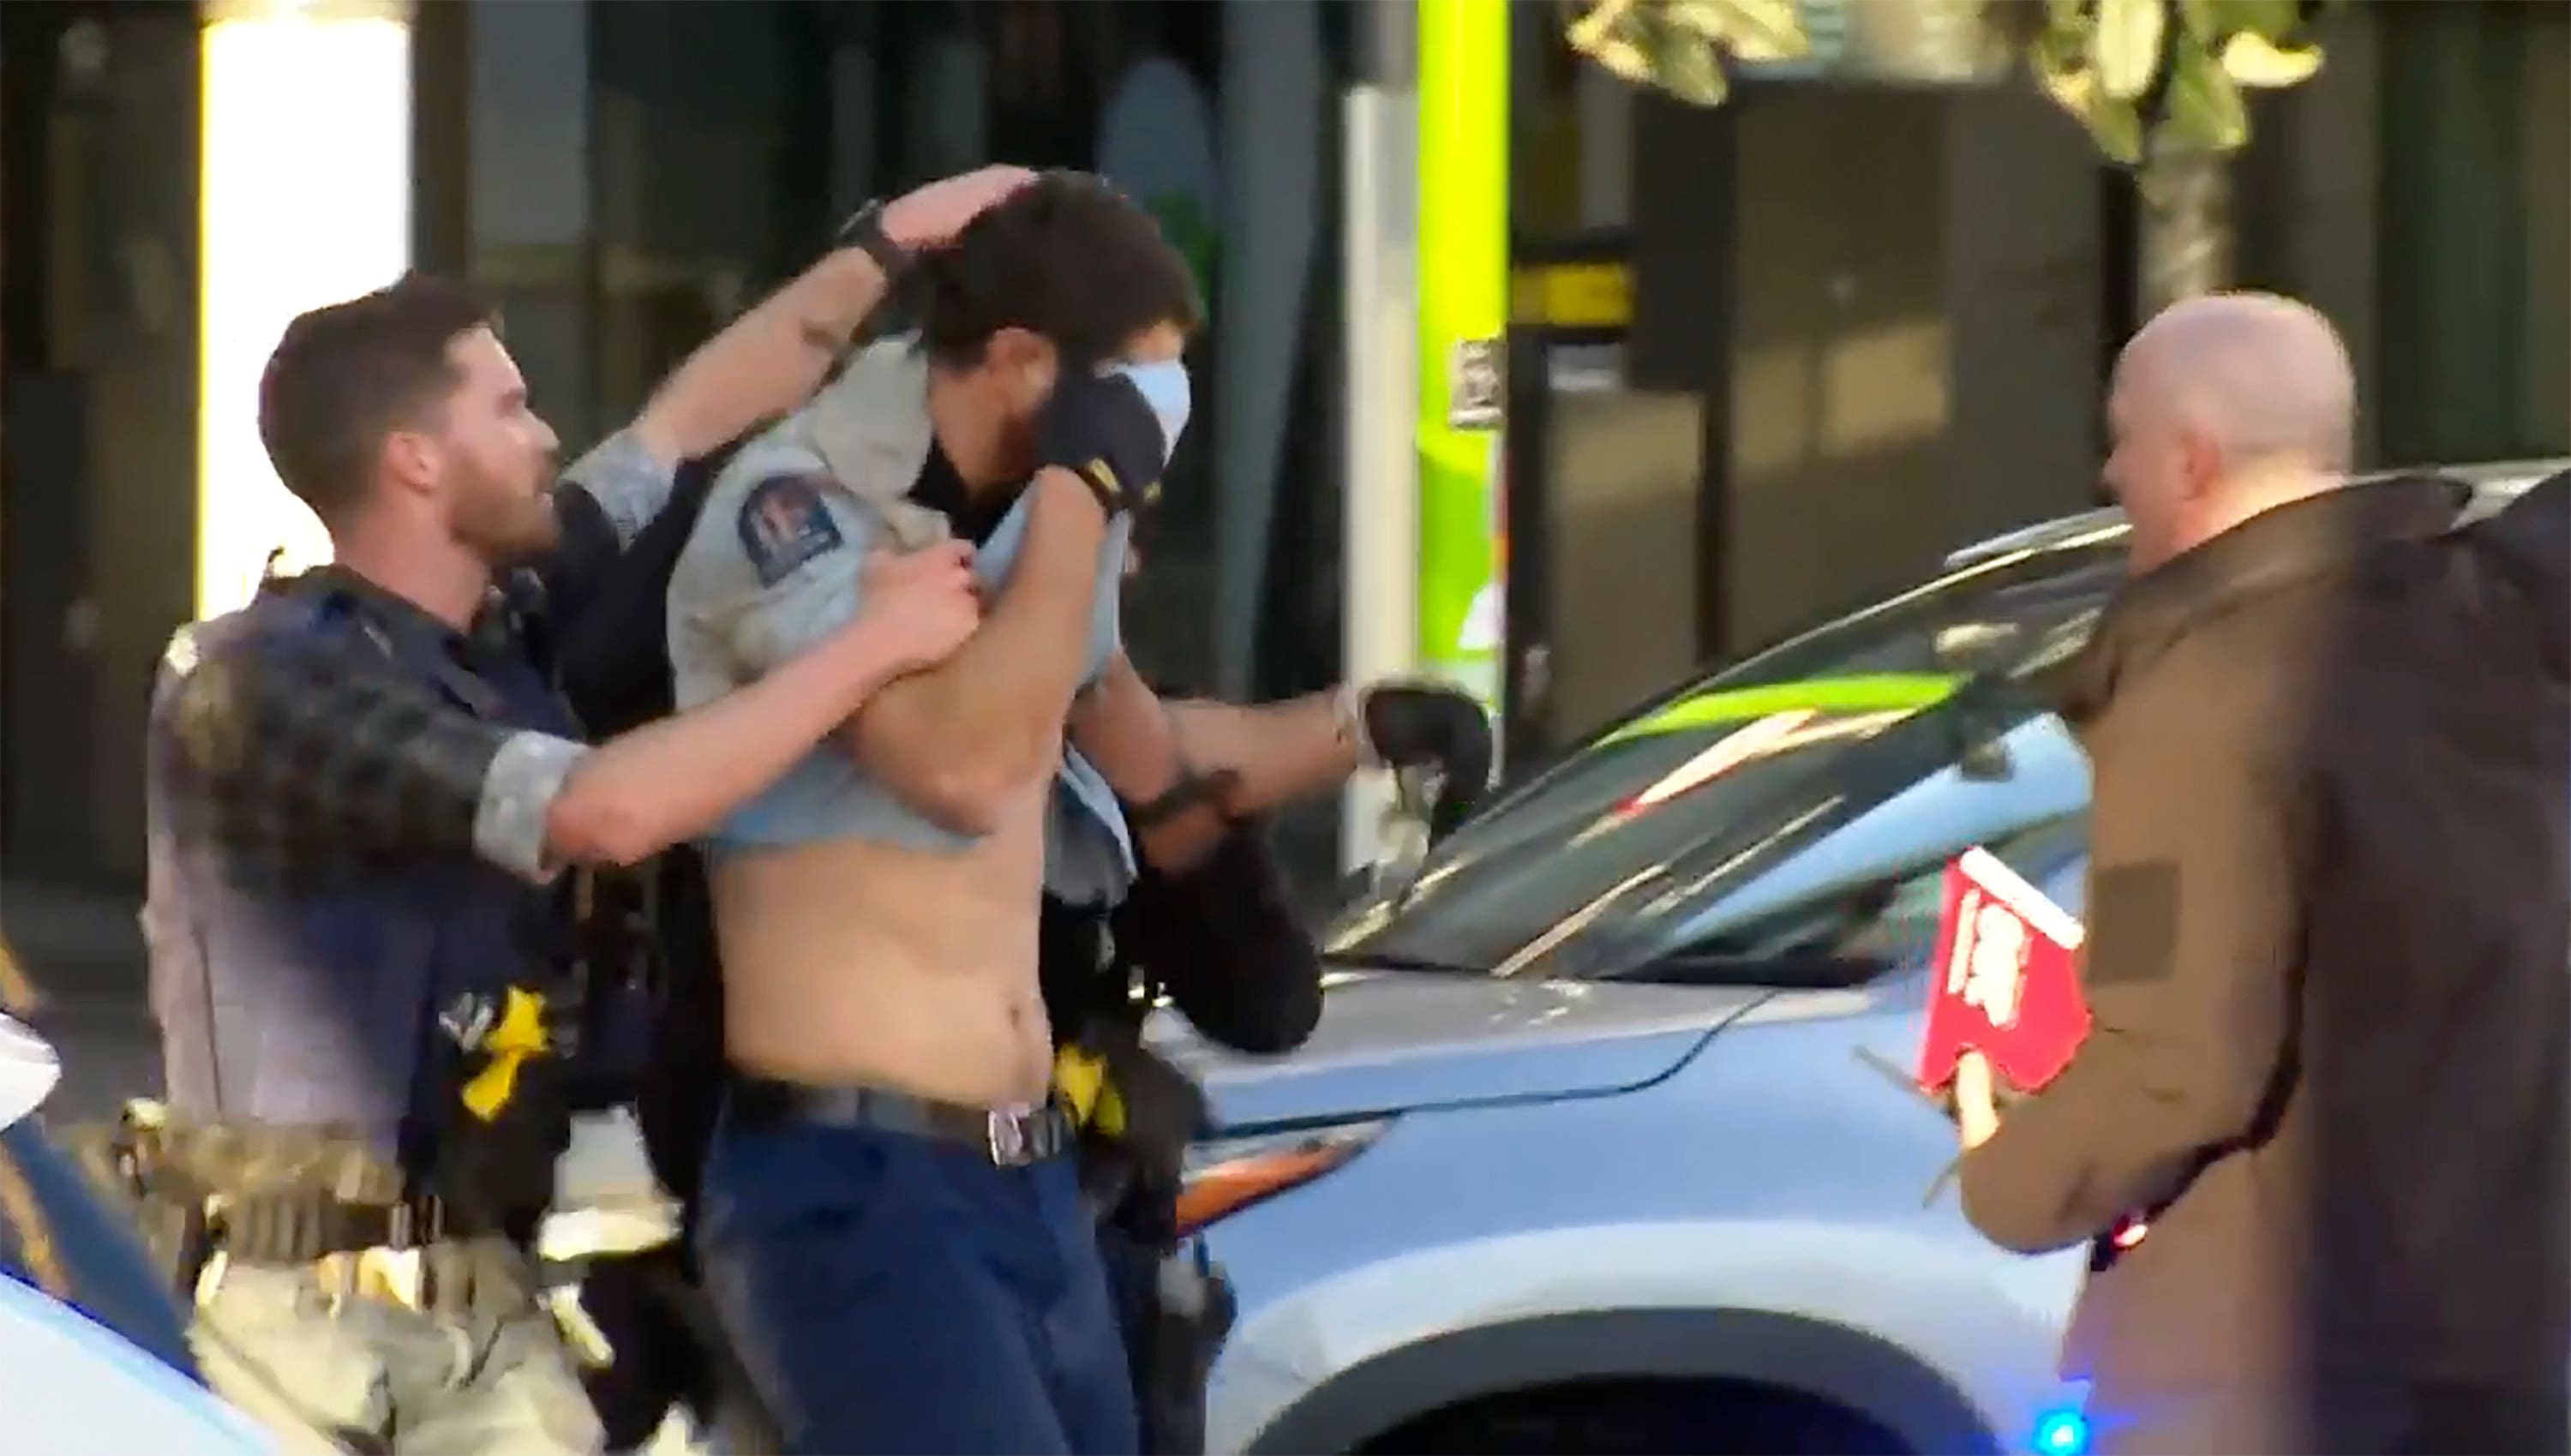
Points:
(894, 1232)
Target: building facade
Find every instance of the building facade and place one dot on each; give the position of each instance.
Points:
(1873, 301)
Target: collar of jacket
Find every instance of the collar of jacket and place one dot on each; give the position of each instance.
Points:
(498, 620)
(2277, 548)
(870, 426)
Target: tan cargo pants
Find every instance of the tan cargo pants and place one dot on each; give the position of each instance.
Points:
(335, 1363)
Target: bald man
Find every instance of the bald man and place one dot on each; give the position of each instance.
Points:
(2318, 1139)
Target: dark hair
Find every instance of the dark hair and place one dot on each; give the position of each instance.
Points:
(1068, 258)
(347, 375)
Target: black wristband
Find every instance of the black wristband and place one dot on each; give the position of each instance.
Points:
(864, 231)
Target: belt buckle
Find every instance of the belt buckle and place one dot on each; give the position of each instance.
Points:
(1007, 1132)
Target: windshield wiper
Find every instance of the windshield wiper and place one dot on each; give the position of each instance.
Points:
(1360, 960)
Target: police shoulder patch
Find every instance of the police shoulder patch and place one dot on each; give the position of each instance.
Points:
(785, 524)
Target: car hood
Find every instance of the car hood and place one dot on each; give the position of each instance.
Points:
(1394, 1041)
(28, 1070)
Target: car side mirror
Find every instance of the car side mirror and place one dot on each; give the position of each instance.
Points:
(1402, 837)
(1988, 761)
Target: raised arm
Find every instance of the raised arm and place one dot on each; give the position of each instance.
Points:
(760, 365)
(960, 742)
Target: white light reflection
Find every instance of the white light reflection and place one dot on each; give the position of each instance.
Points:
(304, 200)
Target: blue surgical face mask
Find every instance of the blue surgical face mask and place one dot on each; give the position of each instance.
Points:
(1164, 386)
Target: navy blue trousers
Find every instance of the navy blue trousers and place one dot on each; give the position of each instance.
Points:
(899, 1295)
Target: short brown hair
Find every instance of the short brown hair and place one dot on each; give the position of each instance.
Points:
(347, 375)
(1067, 258)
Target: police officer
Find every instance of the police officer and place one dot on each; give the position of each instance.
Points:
(363, 788)
(1207, 926)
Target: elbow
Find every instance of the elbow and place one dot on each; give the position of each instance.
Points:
(1290, 1024)
(967, 799)
(957, 783)
(2008, 1215)
(587, 827)
(1257, 1028)
(1296, 1019)
(959, 788)
(963, 799)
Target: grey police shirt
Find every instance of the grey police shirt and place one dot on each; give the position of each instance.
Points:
(776, 564)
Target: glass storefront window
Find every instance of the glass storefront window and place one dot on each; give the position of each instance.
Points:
(2476, 253)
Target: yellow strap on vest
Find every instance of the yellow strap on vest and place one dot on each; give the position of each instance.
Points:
(1081, 1078)
(519, 1035)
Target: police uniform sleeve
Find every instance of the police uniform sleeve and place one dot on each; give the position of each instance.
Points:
(625, 481)
(608, 497)
(303, 747)
(785, 572)
(2199, 858)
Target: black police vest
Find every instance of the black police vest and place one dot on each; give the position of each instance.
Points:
(319, 1005)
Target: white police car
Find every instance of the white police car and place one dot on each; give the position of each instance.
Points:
(69, 1383)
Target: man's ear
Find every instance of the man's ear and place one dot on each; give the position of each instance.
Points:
(414, 459)
(2202, 462)
(1026, 359)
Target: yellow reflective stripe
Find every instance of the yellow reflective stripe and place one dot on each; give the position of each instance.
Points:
(519, 1035)
(1081, 1080)
(1861, 692)
(1079, 1076)
(18, 1206)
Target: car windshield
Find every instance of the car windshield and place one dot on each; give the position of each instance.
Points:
(1586, 868)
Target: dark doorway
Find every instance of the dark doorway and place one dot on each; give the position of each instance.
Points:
(98, 351)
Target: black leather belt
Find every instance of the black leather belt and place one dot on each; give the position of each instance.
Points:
(1010, 1138)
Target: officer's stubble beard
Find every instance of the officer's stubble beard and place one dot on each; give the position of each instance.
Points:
(505, 523)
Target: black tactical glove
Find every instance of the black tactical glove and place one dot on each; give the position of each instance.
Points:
(1427, 726)
(1098, 427)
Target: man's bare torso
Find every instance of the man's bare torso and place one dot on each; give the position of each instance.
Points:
(850, 962)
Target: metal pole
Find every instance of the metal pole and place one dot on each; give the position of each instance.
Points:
(1380, 522)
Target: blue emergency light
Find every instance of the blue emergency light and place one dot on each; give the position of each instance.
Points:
(2062, 1433)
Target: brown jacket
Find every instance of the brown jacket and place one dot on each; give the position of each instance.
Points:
(2330, 963)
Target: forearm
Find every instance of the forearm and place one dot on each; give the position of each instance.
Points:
(671, 780)
(2032, 1185)
(767, 361)
(2152, 1094)
(973, 731)
(1277, 753)
(2193, 936)
(1188, 769)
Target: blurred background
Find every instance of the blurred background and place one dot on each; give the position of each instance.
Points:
(1515, 371)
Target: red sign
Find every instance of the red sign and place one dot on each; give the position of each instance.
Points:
(2007, 978)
